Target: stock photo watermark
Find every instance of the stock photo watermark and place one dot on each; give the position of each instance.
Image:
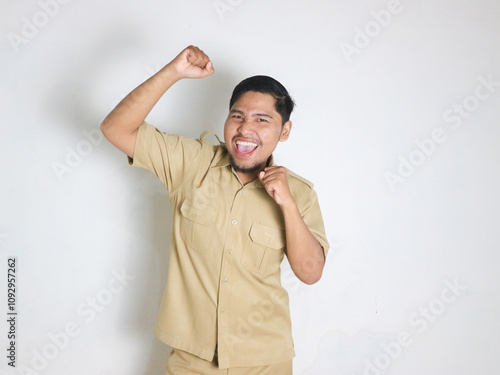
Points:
(264, 308)
(455, 116)
(75, 155)
(223, 6)
(11, 311)
(364, 36)
(93, 137)
(87, 311)
(419, 321)
(149, 71)
(32, 25)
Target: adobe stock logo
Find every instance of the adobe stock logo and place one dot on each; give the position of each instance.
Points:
(372, 29)
(87, 311)
(223, 6)
(459, 112)
(31, 26)
(74, 156)
(455, 116)
(420, 321)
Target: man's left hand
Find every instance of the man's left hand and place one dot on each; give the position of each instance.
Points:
(275, 182)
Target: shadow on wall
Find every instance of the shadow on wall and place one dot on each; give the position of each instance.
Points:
(151, 206)
(206, 102)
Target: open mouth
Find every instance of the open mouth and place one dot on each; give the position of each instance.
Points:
(245, 148)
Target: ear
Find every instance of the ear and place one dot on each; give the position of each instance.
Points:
(285, 131)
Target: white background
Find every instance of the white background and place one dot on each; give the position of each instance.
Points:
(75, 214)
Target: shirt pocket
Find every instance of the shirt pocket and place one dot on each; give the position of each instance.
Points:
(264, 250)
(197, 225)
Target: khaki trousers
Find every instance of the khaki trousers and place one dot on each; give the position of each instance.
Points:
(183, 363)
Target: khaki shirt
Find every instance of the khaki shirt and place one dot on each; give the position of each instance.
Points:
(223, 294)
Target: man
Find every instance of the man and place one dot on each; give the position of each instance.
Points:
(235, 216)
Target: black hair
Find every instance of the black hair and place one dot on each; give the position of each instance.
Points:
(266, 85)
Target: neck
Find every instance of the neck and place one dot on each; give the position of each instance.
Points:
(245, 177)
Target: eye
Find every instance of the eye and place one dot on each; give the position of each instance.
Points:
(261, 120)
(239, 117)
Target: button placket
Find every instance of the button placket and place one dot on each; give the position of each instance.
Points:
(225, 273)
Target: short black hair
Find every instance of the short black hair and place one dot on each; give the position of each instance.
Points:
(266, 85)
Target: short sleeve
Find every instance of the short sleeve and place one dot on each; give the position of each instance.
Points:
(307, 202)
(314, 220)
(170, 157)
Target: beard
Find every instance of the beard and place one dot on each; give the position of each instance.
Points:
(252, 169)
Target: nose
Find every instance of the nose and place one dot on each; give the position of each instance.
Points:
(246, 127)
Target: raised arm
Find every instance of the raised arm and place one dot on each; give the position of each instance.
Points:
(122, 123)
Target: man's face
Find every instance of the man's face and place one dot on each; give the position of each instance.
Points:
(252, 130)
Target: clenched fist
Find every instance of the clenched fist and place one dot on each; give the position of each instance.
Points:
(275, 182)
(192, 63)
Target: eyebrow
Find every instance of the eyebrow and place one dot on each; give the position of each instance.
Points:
(255, 115)
(263, 115)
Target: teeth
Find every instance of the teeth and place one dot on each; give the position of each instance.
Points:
(249, 144)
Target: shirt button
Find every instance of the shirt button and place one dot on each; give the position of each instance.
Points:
(234, 222)
(226, 281)
(222, 311)
(229, 252)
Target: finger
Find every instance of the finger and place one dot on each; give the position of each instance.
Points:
(199, 57)
(193, 58)
(272, 181)
(194, 55)
(270, 172)
(204, 63)
(274, 174)
(265, 178)
(275, 169)
(200, 60)
(190, 52)
(210, 67)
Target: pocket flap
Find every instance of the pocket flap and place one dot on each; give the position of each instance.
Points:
(266, 236)
(202, 215)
